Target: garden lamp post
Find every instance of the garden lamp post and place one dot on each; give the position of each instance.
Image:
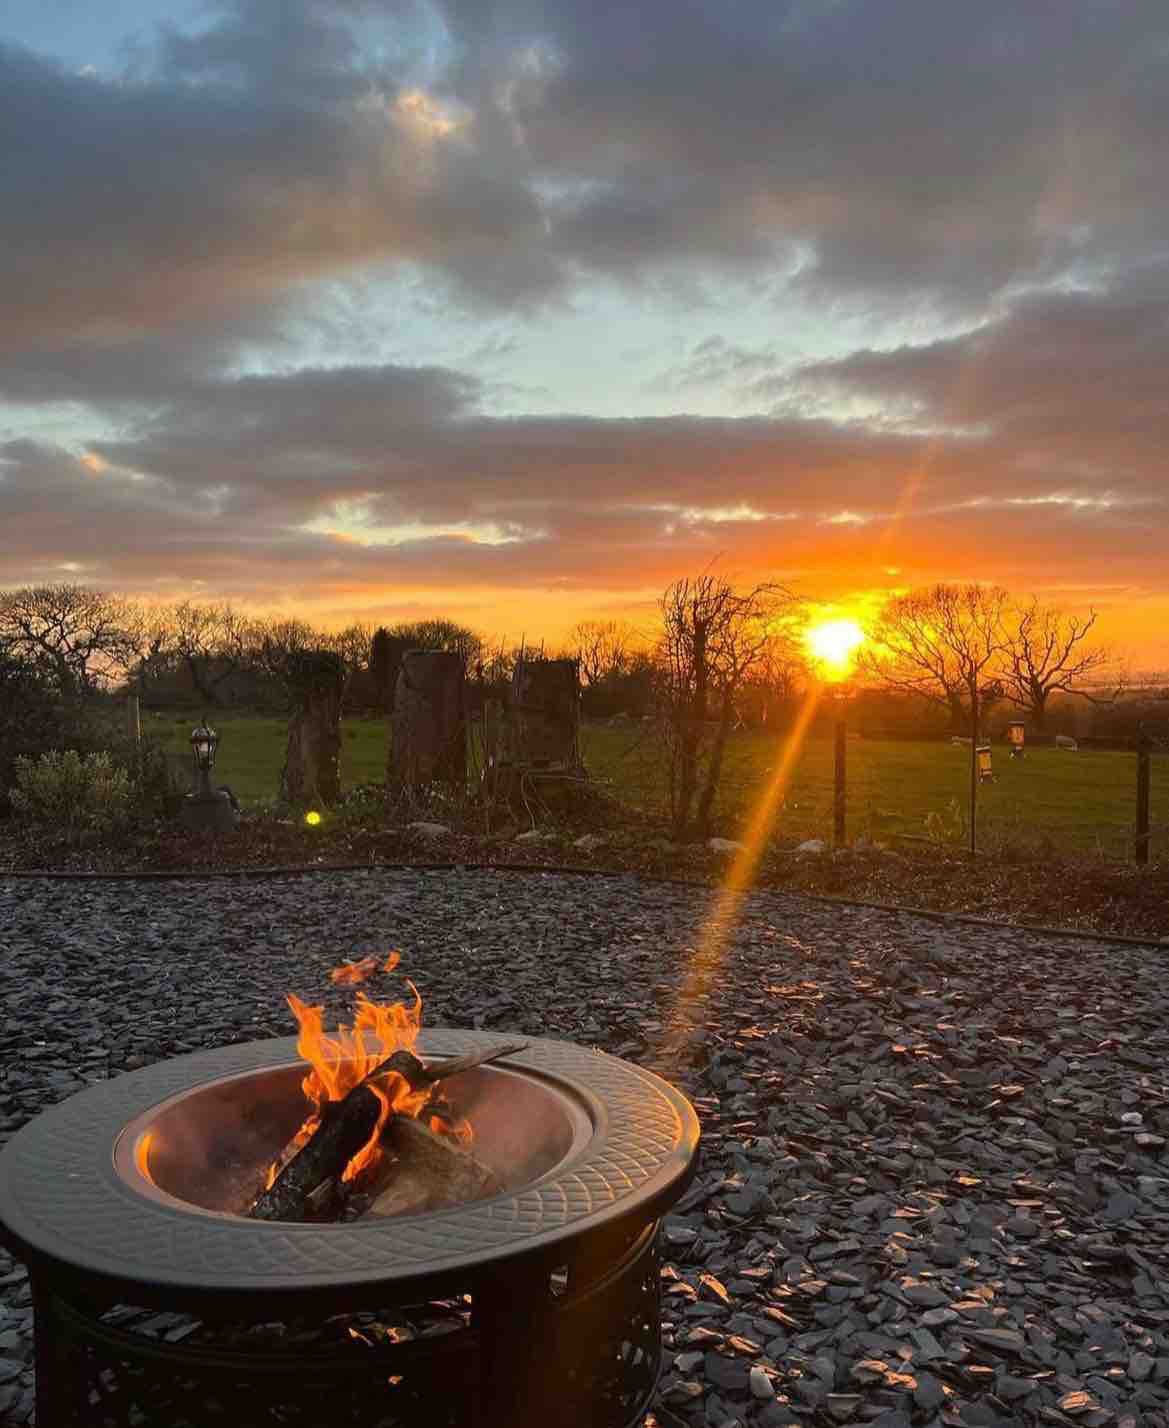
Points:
(204, 742)
(979, 698)
(841, 694)
(207, 808)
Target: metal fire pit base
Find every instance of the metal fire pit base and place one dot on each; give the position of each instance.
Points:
(550, 1287)
(535, 1352)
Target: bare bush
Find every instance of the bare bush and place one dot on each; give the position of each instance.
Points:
(714, 638)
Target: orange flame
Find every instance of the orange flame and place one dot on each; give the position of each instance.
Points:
(341, 1061)
(350, 974)
(459, 1130)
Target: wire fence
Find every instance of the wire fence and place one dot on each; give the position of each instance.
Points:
(1050, 800)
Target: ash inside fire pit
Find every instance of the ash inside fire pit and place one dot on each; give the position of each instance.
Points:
(209, 1147)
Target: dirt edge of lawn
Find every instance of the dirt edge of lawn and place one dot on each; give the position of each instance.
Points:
(1077, 894)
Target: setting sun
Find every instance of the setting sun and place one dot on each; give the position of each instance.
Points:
(832, 645)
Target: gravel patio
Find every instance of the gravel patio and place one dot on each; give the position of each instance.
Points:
(934, 1186)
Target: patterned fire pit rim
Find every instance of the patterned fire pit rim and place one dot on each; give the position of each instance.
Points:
(62, 1202)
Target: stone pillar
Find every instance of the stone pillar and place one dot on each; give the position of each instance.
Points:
(545, 713)
(428, 731)
(312, 760)
(385, 660)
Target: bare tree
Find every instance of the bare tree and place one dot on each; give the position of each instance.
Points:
(77, 637)
(713, 638)
(1045, 651)
(155, 655)
(601, 648)
(779, 672)
(279, 647)
(942, 644)
(353, 644)
(442, 634)
(212, 643)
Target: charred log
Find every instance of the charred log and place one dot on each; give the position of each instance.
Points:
(345, 1127)
(429, 1172)
(300, 1191)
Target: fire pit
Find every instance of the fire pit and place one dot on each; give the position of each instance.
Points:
(540, 1298)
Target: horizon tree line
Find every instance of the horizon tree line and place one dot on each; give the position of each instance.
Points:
(718, 648)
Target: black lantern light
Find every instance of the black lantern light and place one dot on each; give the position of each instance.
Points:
(205, 808)
(204, 742)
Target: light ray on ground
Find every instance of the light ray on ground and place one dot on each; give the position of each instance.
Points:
(707, 956)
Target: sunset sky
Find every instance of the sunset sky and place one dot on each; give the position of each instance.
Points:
(516, 311)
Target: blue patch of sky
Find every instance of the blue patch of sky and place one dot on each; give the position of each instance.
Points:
(71, 425)
(81, 33)
(605, 350)
(115, 34)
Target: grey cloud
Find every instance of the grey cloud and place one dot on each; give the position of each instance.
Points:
(217, 483)
(1074, 383)
(905, 148)
(130, 203)
(911, 145)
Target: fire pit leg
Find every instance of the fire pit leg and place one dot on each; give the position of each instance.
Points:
(514, 1318)
(60, 1382)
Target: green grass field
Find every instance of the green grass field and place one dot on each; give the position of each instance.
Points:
(1083, 801)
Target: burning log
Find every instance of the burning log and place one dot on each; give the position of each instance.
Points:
(430, 1172)
(298, 1192)
(418, 1075)
(344, 1128)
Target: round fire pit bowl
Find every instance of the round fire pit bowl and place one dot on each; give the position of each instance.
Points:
(555, 1278)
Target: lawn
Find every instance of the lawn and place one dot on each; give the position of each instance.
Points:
(1083, 801)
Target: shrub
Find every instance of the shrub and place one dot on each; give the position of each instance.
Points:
(948, 827)
(159, 780)
(63, 792)
(32, 720)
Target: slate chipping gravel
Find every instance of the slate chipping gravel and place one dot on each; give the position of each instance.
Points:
(934, 1186)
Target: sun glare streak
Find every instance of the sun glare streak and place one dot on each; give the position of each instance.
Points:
(962, 389)
(711, 943)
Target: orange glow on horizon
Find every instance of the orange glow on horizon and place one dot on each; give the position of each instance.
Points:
(1134, 618)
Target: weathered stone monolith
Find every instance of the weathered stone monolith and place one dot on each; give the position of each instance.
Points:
(544, 713)
(385, 660)
(312, 761)
(428, 731)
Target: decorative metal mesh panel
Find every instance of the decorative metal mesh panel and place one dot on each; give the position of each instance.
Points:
(587, 1353)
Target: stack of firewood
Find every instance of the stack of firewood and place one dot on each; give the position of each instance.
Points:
(418, 1169)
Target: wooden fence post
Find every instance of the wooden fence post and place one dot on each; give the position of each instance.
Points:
(973, 770)
(1141, 848)
(133, 721)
